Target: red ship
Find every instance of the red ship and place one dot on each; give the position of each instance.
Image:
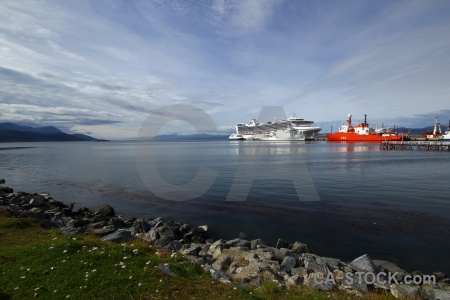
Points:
(363, 133)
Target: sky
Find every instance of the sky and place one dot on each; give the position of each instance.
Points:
(103, 67)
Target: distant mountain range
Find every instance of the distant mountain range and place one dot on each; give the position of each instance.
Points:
(10, 132)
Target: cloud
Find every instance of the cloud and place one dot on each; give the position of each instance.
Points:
(62, 62)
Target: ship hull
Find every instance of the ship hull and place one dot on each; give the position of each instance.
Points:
(353, 137)
(277, 132)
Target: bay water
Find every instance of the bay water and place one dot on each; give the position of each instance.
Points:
(343, 200)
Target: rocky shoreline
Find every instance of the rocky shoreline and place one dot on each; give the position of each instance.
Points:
(237, 261)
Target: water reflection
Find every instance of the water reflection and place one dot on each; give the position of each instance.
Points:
(260, 147)
(353, 146)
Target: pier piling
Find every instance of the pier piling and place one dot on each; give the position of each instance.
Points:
(432, 146)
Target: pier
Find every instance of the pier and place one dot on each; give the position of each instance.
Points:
(406, 145)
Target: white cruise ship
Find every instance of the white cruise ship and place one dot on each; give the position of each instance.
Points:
(291, 129)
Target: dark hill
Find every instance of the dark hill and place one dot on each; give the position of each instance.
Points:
(10, 132)
(15, 127)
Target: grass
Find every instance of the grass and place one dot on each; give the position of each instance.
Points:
(46, 264)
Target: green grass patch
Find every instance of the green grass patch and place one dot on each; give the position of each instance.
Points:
(15, 223)
(46, 264)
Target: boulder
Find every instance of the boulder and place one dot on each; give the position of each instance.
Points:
(390, 267)
(69, 230)
(104, 231)
(405, 291)
(166, 269)
(427, 292)
(318, 282)
(315, 264)
(140, 225)
(163, 242)
(219, 275)
(37, 201)
(6, 189)
(121, 235)
(352, 281)
(441, 295)
(256, 243)
(185, 228)
(107, 210)
(215, 249)
(238, 243)
(364, 263)
(332, 263)
(300, 248)
(288, 263)
(191, 250)
(2, 180)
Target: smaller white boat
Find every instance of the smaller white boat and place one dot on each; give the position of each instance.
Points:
(446, 135)
(236, 137)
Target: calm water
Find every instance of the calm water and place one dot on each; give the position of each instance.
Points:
(393, 205)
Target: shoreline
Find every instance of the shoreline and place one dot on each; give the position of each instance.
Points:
(237, 261)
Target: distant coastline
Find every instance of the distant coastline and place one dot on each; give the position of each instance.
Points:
(10, 133)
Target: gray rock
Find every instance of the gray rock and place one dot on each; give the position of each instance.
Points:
(99, 218)
(69, 230)
(286, 252)
(37, 201)
(391, 268)
(197, 235)
(352, 281)
(364, 263)
(219, 275)
(121, 235)
(184, 228)
(140, 225)
(6, 189)
(294, 280)
(405, 291)
(151, 236)
(166, 269)
(165, 231)
(332, 263)
(441, 295)
(2, 180)
(288, 263)
(318, 282)
(316, 265)
(107, 210)
(174, 246)
(163, 242)
(238, 243)
(104, 231)
(281, 253)
(256, 243)
(300, 248)
(192, 250)
(443, 286)
(222, 262)
(215, 249)
(427, 292)
(98, 224)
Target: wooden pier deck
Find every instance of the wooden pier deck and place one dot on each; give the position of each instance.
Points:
(407, 145)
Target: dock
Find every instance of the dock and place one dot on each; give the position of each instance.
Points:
(407, 145)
